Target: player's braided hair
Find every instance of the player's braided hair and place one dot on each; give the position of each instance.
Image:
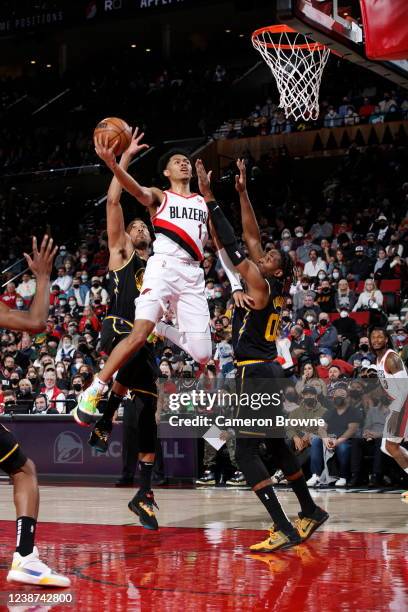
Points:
(386, 334)
(288, 271)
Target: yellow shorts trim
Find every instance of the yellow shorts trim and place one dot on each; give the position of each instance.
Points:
(9, 453)
(252, 361)
(143, 391)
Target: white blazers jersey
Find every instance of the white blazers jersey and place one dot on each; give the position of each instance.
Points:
(396, 387)
(180, 225)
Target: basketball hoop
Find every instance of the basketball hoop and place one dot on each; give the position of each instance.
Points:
(297, 63)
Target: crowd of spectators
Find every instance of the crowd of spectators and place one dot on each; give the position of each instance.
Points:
(268, 118)
(347, 233)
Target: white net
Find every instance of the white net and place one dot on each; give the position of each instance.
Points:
(297, 63)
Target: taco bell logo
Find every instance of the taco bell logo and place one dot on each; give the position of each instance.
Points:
(68, 448)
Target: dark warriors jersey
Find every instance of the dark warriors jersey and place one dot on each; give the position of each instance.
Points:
(254, 332)
(124, 287)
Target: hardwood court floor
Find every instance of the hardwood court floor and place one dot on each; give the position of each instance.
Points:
(199, 559)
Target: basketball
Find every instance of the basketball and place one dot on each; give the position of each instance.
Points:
(118, 131)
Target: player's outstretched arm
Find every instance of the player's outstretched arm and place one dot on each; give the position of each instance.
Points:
(252, 235)
(257, 286)
(35, 319)
(148, 196)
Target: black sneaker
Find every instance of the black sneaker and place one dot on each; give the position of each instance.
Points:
(99, 438)
(208, 478)
(354, 481)
(237, 480)
(143, 505)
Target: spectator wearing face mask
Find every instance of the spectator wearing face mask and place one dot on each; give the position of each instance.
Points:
(62, 375)
(314, 265)
(361, 266)
(299, 238)
(382, 229)
(321, 229)
(286, 241)
(309, 408)
(325, 334)
(79, 291)
(10, 296)
(73, 332)
(75, 388)
(346, 326)
(20, 304)
(14, 381)
(298, 292)
(362, 353)
(55, 396)
(26, 289)
(25, 395)
(61, 257)
(34, 379)
(98, 292)
(326, 360)
(325, 296)
(342, 423)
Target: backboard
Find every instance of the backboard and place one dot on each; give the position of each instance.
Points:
(341, 26)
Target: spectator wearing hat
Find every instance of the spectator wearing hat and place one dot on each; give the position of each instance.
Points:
(342, 423)
(326, 360)
(314, 265)
(361, 266)
(371, 246)
(371, 297)
(325, 334)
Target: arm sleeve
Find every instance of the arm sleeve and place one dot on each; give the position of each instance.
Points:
(225, 233)
(230, 271)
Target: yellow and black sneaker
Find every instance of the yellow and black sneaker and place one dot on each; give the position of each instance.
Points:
(143, 505)
(306, 525)
(277, 540)
(99, 438)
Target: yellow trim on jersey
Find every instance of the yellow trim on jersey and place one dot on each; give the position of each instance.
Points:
(9, 453)
(143, 391)
(115, 318)
(253, 361)
(125, 264)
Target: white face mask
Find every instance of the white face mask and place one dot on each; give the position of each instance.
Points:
(309, 319)
(321, 276)
(324, 361)
(299, 234)
(336, 275)
(344, 314)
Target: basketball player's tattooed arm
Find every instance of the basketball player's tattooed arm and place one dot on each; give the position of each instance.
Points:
(150, 197)
(252, 235)
(393, 364)
(35, 319)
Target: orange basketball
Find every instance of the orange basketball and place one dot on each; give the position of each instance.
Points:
(118, 132)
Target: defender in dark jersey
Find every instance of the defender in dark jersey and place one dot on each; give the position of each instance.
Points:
(128, 253)
(27, 568)
(268, 277)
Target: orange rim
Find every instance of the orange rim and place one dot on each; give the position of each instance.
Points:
(280, 29)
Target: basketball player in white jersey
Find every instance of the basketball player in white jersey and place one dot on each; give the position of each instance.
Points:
(173, 276)
(393, 377)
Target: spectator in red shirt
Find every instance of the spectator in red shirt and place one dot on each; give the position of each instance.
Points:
(326, 361)
(89, 321)
(10, 296)
(366, 109)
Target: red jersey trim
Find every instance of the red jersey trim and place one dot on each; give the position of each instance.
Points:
(193, 195)
(161, 208)
(181, 235)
